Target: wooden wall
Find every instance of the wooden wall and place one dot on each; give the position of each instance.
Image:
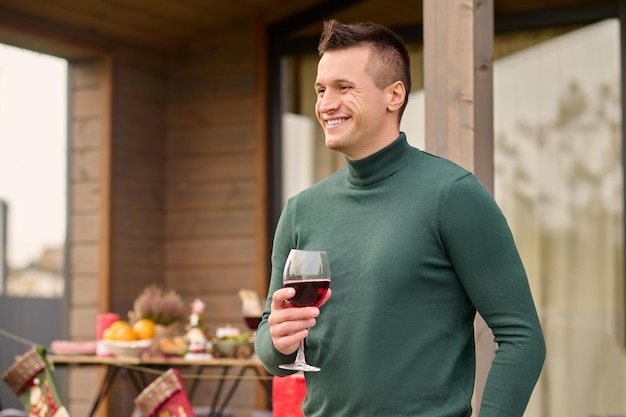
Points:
(210, 178)
(137, 207)
(184, 184)
(211, 183)
(137, 175)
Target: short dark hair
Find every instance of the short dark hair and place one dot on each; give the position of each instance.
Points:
(389, 59)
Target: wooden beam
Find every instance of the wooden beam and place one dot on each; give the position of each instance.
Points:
(25, 32)
(483, 92)
(105, 184)
(557, 16)
(261, 160)
(622, 25)
(458, 51)
(458, 58)
(324, 10)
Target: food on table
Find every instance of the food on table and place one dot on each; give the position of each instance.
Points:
(121, 330)
(175, 345)
(232, 343)
(144, 329)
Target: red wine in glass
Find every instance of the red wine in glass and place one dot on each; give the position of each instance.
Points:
(308, 272)
(252, 322)
(252, 310)
(309, 292)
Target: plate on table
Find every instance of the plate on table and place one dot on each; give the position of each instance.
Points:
(132, 349)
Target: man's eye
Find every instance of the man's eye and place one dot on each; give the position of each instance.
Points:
(344, 87)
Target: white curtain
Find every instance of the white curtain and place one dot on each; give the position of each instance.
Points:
(559, 180)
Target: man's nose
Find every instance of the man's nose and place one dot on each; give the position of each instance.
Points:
(328, 102)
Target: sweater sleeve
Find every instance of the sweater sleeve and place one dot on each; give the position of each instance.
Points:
(482, 250)
(263, 345)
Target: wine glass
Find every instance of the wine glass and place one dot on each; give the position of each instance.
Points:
(308, 272)
(252, 312)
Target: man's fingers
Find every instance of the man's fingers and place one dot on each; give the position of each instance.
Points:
(288, 324)
(280, 297)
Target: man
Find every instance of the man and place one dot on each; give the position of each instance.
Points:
(416, 247)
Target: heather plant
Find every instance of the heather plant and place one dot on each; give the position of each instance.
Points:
(162, 306)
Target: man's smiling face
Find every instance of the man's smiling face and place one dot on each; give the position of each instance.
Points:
(349, 106)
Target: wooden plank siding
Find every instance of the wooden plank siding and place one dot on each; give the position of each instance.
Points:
(211, 184)
(139, 104)
(137, 198)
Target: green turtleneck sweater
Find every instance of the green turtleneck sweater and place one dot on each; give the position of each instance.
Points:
(416, 246)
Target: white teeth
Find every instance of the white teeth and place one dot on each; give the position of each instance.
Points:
(335, 122)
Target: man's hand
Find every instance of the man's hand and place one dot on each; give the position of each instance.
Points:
(288, 324)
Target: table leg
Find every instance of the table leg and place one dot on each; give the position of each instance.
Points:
(218, 392)
(219, 411)
(105, 387)
(137, 379)
(194, 383)
(267, 385)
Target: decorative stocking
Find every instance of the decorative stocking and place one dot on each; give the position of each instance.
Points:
(165, 397)
(32, 380)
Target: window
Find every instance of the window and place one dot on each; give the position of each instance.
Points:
(33, 172)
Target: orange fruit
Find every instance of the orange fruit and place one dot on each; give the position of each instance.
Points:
(110, 331)
(144, 329)
(120, 330)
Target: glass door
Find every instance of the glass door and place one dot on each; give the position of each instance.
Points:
(559, 180)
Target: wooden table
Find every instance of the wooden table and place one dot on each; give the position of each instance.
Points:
(137, 377)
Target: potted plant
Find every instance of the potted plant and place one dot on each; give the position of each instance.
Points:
(164, 307)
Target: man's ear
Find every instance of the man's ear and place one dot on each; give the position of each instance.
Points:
(397, 94)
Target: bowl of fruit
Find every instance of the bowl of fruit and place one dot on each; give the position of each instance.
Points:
(125, 340)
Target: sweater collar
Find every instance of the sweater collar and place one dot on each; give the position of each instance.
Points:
(380, 165)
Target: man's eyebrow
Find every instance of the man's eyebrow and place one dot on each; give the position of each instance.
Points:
(338, 81)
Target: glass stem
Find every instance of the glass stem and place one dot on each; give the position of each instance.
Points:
(300, 353)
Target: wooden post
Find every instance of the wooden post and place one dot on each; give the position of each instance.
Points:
(263, 401)
(458, 58)
(105, 182)
(458, 83)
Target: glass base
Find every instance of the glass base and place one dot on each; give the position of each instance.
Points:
(300, 366)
